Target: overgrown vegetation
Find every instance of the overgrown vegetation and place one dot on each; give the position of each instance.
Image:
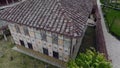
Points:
(89, 59)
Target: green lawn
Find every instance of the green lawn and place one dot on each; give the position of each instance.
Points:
(13, 59)
(113, 20)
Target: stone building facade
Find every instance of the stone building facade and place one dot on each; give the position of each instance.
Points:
(52, 27)
(51, 44)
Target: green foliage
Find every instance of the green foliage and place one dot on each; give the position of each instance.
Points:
(90, 59)
(112, 18)
(72, 64)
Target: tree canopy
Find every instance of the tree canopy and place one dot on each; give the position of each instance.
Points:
(89, 59)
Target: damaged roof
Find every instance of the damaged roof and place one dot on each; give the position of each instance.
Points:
(66, 17)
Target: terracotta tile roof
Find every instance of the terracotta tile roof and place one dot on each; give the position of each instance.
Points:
(67, 17)
(6, 2)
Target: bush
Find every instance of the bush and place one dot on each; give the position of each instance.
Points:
(89, 59)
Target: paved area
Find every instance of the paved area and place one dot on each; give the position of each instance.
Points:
(112, 44)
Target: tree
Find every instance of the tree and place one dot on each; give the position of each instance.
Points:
(72, 64)
(89, 59)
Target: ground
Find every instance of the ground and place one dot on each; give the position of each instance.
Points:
(13, 59)
(88, 39)
(112, 18)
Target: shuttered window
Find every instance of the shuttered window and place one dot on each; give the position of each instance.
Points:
(37, 34)
(54, 38)
(43, 36)
(26, 32)
(17, 29)
(67, 42)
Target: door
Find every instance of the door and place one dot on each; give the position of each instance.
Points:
(22, 43)
(30, 46)
(45, 51)
(55, 54)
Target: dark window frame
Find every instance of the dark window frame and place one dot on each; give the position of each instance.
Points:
(45, 51)
(55, 54)
(30, 46)
(22, 43)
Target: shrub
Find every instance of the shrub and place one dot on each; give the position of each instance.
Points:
(89, 59)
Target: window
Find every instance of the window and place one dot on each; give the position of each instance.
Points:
(17, 28)
(66, 44)
(43, 36)
(54, 38)
(26, 32)
(22, 43)
(55, 55)
(30, 45)
(37, 34)
(45, 51)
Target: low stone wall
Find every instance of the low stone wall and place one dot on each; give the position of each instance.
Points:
(100, 40)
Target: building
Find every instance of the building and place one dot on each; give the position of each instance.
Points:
(51, 27)
(7, 2)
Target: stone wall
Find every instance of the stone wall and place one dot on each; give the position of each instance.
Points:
(100, 40)
(63, 47)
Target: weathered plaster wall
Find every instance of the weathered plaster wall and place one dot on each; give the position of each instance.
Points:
(34, 37)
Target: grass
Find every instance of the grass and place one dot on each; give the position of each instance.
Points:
(13, 59)
(102, 1)
(88, 39)
(113, 20)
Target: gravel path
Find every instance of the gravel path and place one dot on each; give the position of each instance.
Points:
(112, 44)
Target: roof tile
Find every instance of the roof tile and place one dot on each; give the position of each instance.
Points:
(67, 17)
